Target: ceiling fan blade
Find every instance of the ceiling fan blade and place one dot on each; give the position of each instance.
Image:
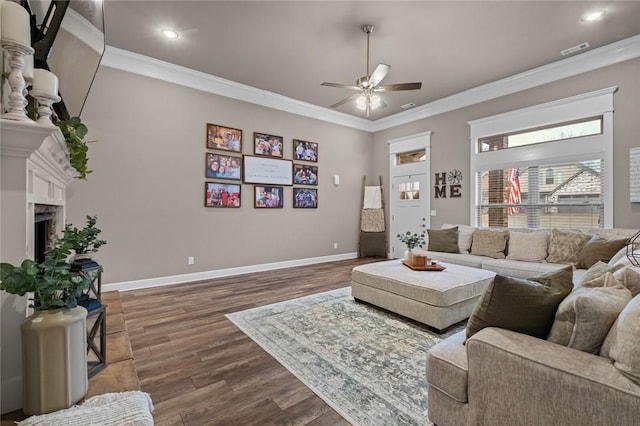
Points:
(399, 86)
(341, 86)
(345, 100)
(378, 74)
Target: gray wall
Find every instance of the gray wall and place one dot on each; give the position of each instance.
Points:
(451, 146)
(147, 187)
(148, 181)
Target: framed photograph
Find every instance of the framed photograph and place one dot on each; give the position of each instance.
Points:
(267, 145)
(221, 166)
(267, 171)
(268, 197)
(224, 138)
(303, 174)
(305, 198)
(305, 151)
(221, 195)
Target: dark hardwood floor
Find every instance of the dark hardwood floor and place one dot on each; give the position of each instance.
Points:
(200, 369)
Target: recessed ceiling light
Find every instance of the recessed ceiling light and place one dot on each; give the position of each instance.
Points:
(169, 33)
(593, 16)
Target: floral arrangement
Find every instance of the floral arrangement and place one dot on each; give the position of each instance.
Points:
(413, 240)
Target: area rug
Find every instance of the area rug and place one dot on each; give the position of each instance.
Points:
(369, 365)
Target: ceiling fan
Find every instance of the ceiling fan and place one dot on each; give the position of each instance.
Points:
(367, 86)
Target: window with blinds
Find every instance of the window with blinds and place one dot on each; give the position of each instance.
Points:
(545, 166)
(565, 195)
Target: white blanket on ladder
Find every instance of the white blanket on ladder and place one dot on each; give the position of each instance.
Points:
(372, 197)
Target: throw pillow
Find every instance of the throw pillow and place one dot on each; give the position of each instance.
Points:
(630, 278)
(596, 273)
(565, 246)
(489, 243)
(598, 249)
(443, 240)
(622, 344)
(465, 236)
(526, 306)
(585, 316)
(528, 246)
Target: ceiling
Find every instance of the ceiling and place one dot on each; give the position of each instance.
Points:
(290, 47)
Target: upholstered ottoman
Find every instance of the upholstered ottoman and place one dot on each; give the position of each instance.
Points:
(435, 298)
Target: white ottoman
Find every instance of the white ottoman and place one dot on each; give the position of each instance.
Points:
(435, 298)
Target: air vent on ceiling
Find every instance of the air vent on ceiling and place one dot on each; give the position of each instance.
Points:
(575, 49)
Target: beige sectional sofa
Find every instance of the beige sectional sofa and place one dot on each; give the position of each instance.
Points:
(503, 377)
(517, 249)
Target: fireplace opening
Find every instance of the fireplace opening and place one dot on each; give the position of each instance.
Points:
(44, 231)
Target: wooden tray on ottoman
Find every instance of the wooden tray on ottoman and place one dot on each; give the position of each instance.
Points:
(436, 267)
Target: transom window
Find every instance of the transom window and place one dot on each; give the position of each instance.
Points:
(411, 157)
(576, 129)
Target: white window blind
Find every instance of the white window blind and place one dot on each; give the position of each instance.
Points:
(567, 195)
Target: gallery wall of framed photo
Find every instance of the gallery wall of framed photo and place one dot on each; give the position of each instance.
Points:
(265, 168)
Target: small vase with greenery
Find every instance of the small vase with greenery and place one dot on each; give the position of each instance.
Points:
(84, 241)
(415, 239)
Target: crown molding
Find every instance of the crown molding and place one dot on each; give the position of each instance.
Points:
(611, 54)
(176, 74)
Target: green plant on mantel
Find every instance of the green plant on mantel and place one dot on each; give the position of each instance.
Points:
(74, 132)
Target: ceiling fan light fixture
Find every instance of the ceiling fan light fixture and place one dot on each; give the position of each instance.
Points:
(375, 101)
(361, 102)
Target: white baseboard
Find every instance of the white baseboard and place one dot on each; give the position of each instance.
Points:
(11, 394)
(219, 273)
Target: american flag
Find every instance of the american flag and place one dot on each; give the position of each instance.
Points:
(514, 190)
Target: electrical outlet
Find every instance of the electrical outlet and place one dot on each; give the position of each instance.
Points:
(335, 245)
(191, 260)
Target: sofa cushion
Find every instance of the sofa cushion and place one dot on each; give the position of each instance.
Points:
(622, 344)
(630, 278)
(448, 367)
(525, 306)
(597, 271)
(443, 240)
(458, 258)
(519, 268)
(465, 234)
(565, 246)
(528, 246)
(489, 243)
(585, 316)
(598, 249)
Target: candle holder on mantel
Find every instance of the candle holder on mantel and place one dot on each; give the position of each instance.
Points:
(45, 102)
(17, 101)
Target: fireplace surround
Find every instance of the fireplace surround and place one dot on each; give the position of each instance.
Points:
(34, 170)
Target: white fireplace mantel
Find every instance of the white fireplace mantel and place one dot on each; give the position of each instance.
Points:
(34, 169)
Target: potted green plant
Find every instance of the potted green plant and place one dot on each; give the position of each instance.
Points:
(54, 348)
(54, 337)
(74, 132)
(84, 241)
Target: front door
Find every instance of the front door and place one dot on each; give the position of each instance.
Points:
(409, 206)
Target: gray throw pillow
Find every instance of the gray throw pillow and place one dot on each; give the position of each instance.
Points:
(489, 243)
(585, 316)
(598, 249)
(526, 306)
(443, 240)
